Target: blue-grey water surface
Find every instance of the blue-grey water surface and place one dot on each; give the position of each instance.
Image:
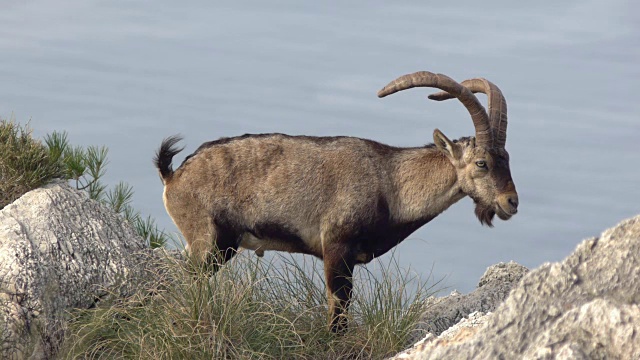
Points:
(126, 74)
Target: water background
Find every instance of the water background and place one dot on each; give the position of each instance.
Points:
(126, 74)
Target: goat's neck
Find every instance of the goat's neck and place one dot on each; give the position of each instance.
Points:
(426, 184)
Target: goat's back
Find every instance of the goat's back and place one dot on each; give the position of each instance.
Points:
(287, 179)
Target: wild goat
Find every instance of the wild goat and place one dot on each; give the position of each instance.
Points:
(343, 199)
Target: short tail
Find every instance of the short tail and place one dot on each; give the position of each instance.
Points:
(165, 154)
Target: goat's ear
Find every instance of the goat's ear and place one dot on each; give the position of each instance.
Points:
(445, 145)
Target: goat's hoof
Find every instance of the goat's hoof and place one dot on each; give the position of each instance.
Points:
(339, 325)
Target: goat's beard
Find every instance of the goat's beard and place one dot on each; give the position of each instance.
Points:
(485, 214)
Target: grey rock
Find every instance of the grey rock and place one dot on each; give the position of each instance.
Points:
(59, 250)
(493, 289)
(585, 307)
(503, 275)
(461, 331)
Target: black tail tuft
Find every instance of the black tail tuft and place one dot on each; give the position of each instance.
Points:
(165, 154)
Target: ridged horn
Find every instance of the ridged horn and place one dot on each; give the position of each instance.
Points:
(497, 106)
(450, 88)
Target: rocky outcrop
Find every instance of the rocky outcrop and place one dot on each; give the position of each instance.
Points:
(585, 307)
(460, 332)
(59, 250)
(492, 290)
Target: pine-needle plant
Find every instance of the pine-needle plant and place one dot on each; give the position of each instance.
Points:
(249, 309)
(25, 163)
(119, 199)
(84, 167)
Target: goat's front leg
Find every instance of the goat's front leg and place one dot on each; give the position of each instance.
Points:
(338, 270)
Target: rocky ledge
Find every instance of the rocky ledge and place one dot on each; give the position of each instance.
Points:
(584, 307)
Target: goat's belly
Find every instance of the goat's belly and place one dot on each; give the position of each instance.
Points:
(260, 245)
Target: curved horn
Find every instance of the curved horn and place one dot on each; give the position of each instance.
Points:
(451, 88)
(497, 106)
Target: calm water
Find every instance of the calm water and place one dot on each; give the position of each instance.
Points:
(127, 74)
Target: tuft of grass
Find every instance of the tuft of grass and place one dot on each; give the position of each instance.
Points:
(249, 309)
(25, 163)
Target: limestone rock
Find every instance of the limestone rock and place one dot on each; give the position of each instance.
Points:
(493, 289)
(58, 250)
(460, 332)
(585, 307)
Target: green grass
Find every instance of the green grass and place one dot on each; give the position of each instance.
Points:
(250, 309)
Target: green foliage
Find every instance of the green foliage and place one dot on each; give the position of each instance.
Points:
(119, 199)
(249, 310)
(147, 228)
(83, 166)
(25, 163)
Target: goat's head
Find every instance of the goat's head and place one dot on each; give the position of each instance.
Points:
(481, 162)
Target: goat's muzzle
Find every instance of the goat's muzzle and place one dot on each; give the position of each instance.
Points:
(507, 205)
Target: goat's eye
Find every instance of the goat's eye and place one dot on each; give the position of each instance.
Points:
(481, 164)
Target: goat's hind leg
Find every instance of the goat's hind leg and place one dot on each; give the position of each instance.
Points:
(208, 245)
(338, 269)
(225, 243)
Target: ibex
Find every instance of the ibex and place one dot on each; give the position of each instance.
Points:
(343, 199)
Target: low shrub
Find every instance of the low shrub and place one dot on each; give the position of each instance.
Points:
(25, 163)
